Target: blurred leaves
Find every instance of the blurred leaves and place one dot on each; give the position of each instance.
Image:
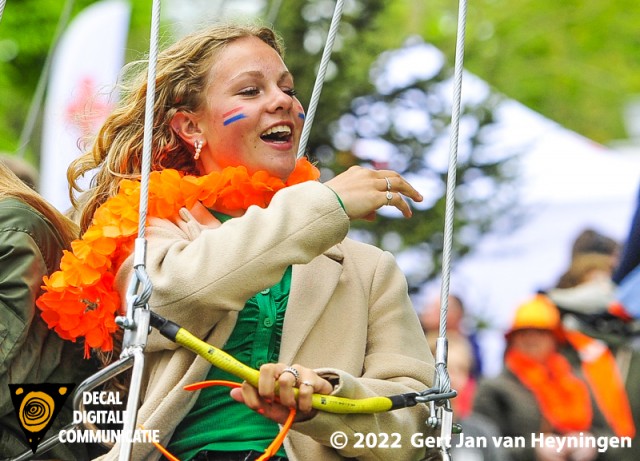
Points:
(575, 62)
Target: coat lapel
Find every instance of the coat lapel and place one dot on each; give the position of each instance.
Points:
(312, 285)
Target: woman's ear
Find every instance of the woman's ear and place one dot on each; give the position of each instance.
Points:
(186, 126)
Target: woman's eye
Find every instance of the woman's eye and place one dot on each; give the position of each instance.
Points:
(249, 91)
(291, 92)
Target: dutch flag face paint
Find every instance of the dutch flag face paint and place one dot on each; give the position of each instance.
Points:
(233, 116)
(300, 110)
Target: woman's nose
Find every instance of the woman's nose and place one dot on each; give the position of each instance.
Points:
(280, 100)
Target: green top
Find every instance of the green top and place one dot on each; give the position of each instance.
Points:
(217, 422)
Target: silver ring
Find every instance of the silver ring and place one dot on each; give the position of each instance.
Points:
(388, 183)
(389, 197)
(294, 372)
(306, 383)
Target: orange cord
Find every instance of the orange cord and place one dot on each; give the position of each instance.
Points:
(165, 452)
(273, 447)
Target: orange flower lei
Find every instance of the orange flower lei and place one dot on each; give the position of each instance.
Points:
(80, 300)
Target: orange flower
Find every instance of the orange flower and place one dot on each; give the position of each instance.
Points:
(94, 252)
(305, 171)
(80, 301)
(121, 217)
(164, 193)
(77, 272)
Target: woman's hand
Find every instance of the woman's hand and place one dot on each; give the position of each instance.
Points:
(276, 407)
(363, 191)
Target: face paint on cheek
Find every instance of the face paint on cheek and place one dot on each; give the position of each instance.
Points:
(233, 116)
(300, 110)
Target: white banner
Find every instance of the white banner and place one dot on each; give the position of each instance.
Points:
(81, 90)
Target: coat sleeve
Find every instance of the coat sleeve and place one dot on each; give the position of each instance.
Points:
(397, 361)
(28, 350)
(201, 274)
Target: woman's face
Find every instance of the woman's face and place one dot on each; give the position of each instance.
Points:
(252, 116)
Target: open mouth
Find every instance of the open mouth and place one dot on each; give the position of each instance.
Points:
(277, 134)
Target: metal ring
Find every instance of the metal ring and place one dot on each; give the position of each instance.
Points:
(294, 372)
(306, 383)
(389, 197)
(388, 183)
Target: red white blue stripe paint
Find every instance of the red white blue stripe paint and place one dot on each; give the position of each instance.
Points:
(233, 116)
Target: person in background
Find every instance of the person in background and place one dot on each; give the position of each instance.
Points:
(539, 392)
(587, 281)
(33, 235)
(587, 286)
(457, 322)
(247, 250)
(586, 268)
(601, 344)
(591, 241)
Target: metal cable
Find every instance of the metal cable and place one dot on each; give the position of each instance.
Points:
(442, 377)
(322, 70)
(140, 287)
(2, 4)
(136, 322)
(148, 118)
(272, 13)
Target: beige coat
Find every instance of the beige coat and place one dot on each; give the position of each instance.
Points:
(349, 316)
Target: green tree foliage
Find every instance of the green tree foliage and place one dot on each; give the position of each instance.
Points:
(575, 62)
(27, 32)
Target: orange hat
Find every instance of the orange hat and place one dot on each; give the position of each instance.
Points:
(538, 313)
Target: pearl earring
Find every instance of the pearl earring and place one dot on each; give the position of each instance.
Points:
(198, 145)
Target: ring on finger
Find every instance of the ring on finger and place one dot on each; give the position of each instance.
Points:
(388, 183)
(306, 383)
(389, 197)
(294, 372)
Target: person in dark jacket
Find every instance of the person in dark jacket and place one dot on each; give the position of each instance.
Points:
(542, 405)
(33, 235)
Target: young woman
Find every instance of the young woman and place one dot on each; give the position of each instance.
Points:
(248, 251)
